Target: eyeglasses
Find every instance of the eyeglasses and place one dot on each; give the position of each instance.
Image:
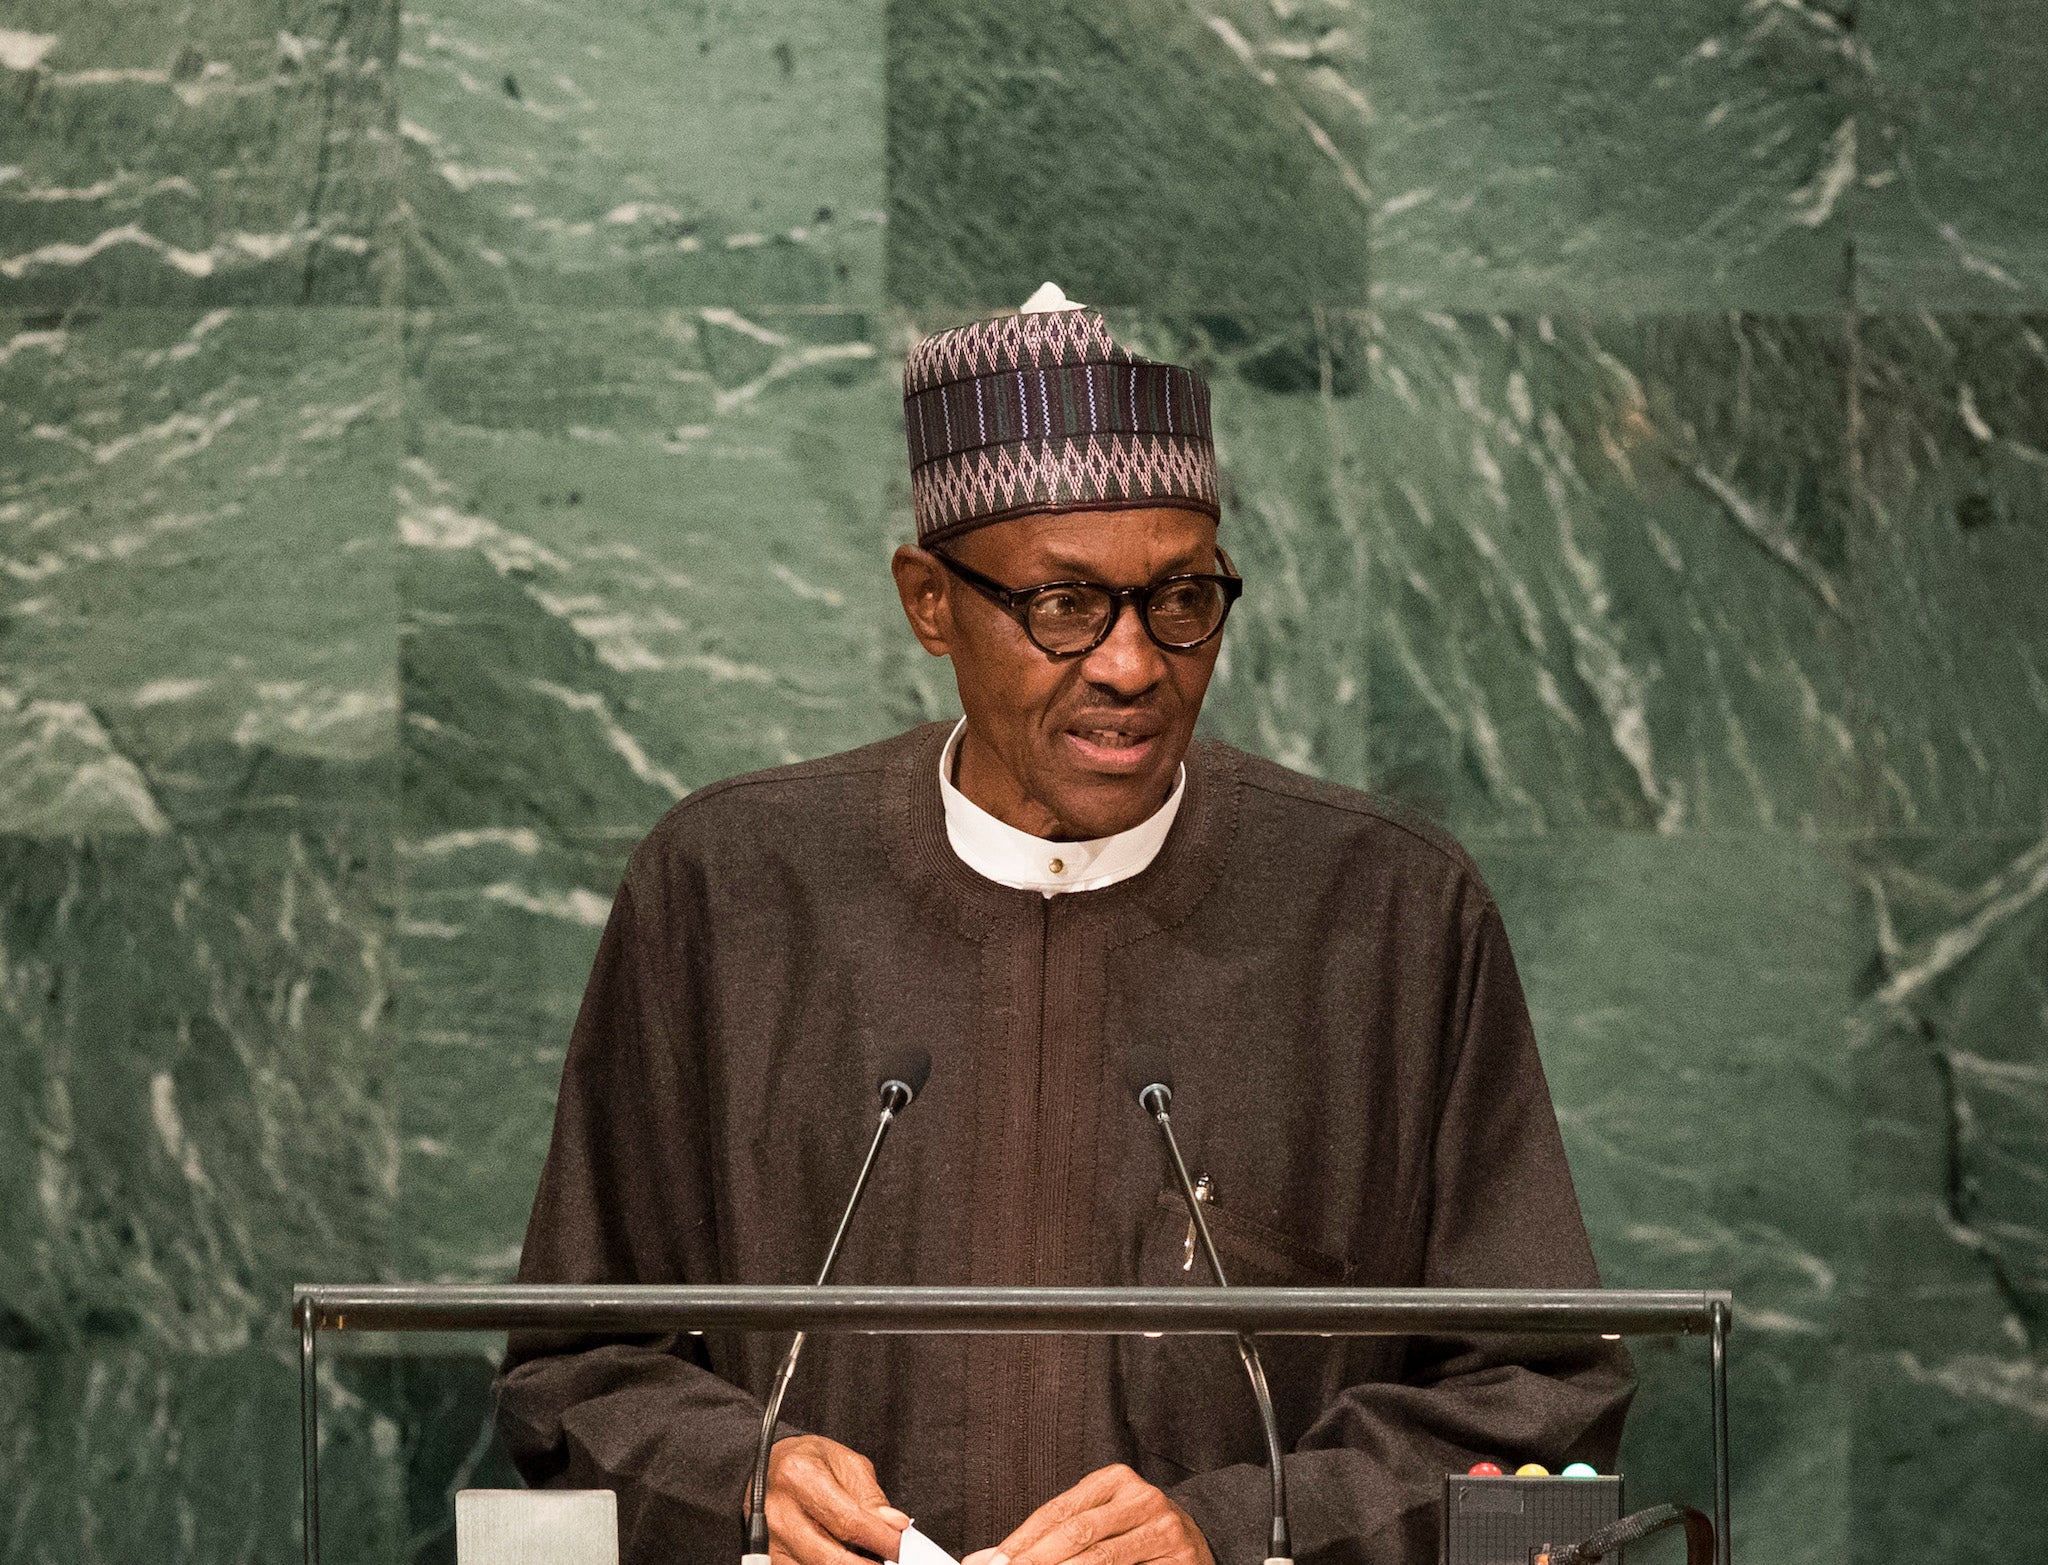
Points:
(1068, 619)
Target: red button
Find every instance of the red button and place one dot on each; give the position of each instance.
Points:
(1484, 1470)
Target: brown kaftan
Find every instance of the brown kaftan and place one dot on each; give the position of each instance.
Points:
(1354, 1072)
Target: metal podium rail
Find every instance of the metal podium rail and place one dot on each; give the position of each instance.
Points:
(1273, 1312)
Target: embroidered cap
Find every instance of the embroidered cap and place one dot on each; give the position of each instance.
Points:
(1044, 410)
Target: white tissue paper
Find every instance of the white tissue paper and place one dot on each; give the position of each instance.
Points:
(914, 1548)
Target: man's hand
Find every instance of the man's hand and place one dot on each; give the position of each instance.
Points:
(1111, 1517)
(823, 1502)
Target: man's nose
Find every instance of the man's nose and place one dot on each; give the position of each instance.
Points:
(1128, 661)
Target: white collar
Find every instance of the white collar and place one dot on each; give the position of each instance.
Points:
(1000, 852)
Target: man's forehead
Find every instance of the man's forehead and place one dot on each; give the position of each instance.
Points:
(1110, 542)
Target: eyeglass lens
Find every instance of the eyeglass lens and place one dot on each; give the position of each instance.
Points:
(1178, 614)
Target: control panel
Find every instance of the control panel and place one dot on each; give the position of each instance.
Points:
(1493, 1517)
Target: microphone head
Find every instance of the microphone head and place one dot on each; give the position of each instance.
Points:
(1148, 1073)
(906, 1068)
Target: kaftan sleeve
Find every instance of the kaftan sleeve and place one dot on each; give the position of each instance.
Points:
(626, 1196)
(1365, 1482)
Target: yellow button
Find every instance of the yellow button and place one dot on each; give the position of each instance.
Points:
(1058, 866)
(1532, 1470)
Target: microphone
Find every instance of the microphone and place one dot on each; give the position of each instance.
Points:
(1151, 1080)
(904, 1074)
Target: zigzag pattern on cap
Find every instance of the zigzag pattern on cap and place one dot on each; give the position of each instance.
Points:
(1000, 481)
(1010, 342)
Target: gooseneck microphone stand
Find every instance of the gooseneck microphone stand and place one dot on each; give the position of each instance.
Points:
(1156, 1098)
(898, 1089)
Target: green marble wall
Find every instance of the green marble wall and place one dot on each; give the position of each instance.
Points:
(433, 440)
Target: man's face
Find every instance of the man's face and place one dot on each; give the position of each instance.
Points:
(1074, 747)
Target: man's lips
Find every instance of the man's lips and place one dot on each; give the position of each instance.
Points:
(1113, 744)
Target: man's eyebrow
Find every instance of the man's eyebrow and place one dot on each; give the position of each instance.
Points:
(1065, 567)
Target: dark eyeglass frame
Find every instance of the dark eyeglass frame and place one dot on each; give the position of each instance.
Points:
(1016, 602)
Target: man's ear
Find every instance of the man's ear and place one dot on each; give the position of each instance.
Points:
(921, 584)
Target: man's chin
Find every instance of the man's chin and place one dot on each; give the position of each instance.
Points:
(1092, 804)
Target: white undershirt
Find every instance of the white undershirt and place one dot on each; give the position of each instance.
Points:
(1013, 858)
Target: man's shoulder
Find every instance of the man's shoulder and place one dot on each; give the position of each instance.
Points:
(829, 793)
(1329, 820)
(774, 787)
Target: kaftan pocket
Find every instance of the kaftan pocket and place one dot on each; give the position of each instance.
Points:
(1186, 1400)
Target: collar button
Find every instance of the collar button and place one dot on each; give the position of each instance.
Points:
(1058, 866)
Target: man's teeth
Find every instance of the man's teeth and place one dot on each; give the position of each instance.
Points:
(1109, 738)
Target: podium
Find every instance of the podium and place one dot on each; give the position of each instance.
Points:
(587, 1309)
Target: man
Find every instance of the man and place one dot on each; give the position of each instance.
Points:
(1028, 895)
